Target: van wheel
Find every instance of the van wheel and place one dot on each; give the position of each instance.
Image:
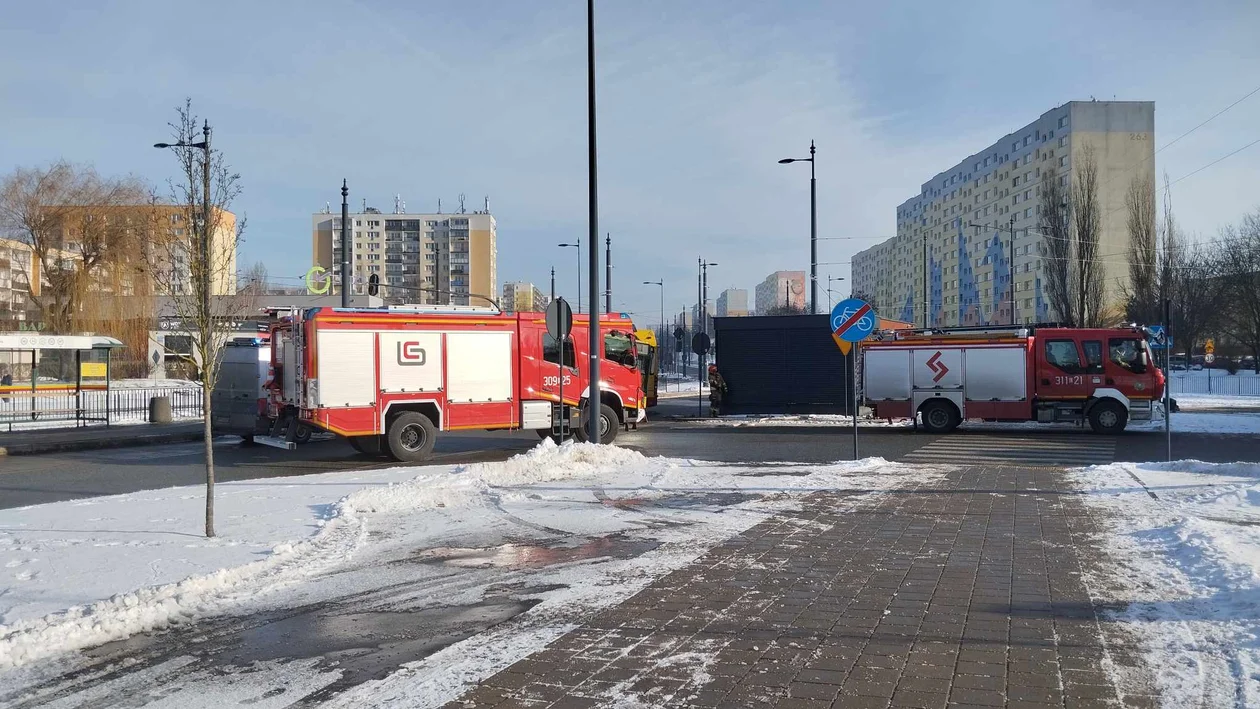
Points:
(939, 416)
(367, 445)
(303, 434)
(1108, 417)
(411, 437)
(608, 424)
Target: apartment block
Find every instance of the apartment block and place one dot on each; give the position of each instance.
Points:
(437, 259)
(780, 289)
(519, 297)
(732, 303)
(954, 261)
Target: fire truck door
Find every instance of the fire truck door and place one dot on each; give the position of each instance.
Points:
(1124, 368)
(1062, 372)
(551, 369)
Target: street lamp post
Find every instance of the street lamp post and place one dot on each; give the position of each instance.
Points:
(664, 334)
(813, 226)
(203, 282)
(830, 280)
(596, 339)
(702, 292)
(577, 246)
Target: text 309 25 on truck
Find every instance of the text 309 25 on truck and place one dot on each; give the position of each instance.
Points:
(1104, 376)
(390, 380)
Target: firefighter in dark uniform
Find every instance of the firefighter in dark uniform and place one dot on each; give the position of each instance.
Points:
(717, 390)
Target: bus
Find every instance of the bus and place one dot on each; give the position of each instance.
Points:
(649, 363)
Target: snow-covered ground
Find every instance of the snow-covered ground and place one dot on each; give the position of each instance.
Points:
(1190, 573)
(78, 574)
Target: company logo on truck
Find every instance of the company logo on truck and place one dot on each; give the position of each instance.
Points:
(935, 364)
(411, 354)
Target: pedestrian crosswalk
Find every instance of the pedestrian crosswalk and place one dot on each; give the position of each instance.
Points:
(996, 449)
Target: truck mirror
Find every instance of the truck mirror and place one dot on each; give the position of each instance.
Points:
(1142, 360)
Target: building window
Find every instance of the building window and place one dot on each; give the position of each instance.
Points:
(1028, 213)
(1027, 139)
(1063, 142)
(1063, 161)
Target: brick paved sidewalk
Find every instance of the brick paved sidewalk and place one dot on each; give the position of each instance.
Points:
(966, 592)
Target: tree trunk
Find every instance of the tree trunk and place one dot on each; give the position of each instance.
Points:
(208, 440)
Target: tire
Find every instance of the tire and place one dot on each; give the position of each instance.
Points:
(411, 437)
(1108, 417)
(367, 445)
(608, 424)
(939, 416)
(303, 434)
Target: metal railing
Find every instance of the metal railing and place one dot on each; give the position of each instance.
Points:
(1216, 382)
(50, 406)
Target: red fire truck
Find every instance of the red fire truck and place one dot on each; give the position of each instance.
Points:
(1104, 376)
(389, 379)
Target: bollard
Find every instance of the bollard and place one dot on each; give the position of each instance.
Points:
(160, 409)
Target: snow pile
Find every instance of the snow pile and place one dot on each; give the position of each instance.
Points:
(1191, 558)
(341, 530)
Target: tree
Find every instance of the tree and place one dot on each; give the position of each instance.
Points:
(784, 309)
(1054, 220)
(1240, 273)
(188, 264)
(254, 281)
(1142, 303)
(82, 231)
(1188, 273)
(1087, 293)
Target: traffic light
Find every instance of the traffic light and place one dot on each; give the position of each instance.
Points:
(374, 284)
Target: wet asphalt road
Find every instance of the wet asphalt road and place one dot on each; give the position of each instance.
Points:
(30, 480)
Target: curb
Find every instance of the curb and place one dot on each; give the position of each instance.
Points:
(99, 444)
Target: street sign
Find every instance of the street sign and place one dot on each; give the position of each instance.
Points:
(317, 283)
(679, 333)
(559, 319)
(1209, 347)
(1159, 337)
(1209, 358)
(700, 343)
(852, 320)
(374, 284)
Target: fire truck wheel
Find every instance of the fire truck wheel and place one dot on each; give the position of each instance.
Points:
(303, 434)
(1108, 417)
(608, 425)
(367, 445)
(939, 416)
(411, 437)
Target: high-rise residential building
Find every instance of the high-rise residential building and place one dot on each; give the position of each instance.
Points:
(941, 270)
(732, 303)
(441, 259)
(781, 291)
(521, 297)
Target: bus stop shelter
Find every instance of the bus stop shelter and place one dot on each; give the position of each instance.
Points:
(55, 378)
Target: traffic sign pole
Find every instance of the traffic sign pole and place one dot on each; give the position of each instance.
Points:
(852, 320)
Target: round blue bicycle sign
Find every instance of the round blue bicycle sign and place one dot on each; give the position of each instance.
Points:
(852, 320)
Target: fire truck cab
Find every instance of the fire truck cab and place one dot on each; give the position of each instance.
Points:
(390, 379)
(1105, 377)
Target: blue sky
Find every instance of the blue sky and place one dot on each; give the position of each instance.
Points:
(697, 100)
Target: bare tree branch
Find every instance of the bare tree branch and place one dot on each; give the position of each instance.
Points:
(1054, 221)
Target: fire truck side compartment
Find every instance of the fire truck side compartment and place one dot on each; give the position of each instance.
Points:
(996, 374)
(479, 366)
(411, 362)
(344, 379)
(887, 375)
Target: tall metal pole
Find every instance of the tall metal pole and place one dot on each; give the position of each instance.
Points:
(553, 282)
(813, 234)
(704, 297)
(346, 247)
(595, 348)
(608, 273)
(695, 326)
(1010, 281)
(578, 246)
(207, 325)
(926, 299)
(1168, 333)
